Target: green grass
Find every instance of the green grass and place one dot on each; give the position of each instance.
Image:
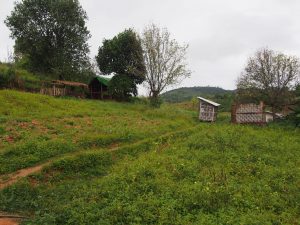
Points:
(34, 128)
(168, 169)
(12, 76)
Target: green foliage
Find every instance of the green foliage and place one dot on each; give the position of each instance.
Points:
(13, 77)
(36, 128)
(123, 55)
(220, 174)
(132, 164)
(51, 35)
(155, 102)
(29, 153)
(269, 76)
(121, 87)
(189, 94)
(295, 117)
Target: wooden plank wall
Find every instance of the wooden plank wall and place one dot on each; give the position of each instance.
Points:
(207, 112)
(54, 91)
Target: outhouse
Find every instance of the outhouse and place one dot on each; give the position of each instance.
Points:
(208, 110)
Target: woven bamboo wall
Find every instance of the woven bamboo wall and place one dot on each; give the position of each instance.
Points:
(248, 113)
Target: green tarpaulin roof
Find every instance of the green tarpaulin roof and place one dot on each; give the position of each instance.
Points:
(103, 80)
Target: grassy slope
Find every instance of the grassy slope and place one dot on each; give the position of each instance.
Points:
(194, 174)
(35, 127)
(28, 81)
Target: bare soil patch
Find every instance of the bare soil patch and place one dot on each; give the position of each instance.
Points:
(12, 178)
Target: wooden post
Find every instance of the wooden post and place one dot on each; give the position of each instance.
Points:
(263, 117)
(200, 109)
(101, 92)
(233, 113)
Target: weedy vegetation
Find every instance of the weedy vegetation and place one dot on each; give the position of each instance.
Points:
(127, 163)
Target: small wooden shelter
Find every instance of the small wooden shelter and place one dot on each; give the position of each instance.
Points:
(208, 110)
(249, 113)
(64, 88)
(98, 88)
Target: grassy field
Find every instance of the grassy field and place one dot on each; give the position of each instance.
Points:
(126, 163)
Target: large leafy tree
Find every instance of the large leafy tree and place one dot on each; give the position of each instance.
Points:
(269, 76)
(51, 35)
(123, 56)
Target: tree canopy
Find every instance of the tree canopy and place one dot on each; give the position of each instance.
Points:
(123, 56)
(52, 35)
(269, 76)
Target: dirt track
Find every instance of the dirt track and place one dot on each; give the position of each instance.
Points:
(14, 177)
(9, 221)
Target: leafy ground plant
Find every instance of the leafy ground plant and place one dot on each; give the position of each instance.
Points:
(180, 172)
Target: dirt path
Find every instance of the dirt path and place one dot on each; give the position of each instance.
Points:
(14, 177)
(9, 179)
(9, 221)
(6, 219)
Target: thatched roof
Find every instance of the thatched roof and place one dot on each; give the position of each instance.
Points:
(69, 83)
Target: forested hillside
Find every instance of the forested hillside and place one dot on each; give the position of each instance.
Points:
(188, 94)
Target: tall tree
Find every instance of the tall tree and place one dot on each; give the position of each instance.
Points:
(269, 76)
(52, 35)
(165, 59)
(123, 56)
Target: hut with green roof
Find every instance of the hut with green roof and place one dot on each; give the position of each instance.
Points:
(98, 87)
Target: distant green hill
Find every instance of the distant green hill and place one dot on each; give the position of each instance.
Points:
(186, 94)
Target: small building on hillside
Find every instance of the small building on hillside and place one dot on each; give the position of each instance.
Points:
(208, 110)
(251, 113)
(248, 113)
(98, 88)
(64, 88)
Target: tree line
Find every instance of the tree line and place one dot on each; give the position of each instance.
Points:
(51, 38)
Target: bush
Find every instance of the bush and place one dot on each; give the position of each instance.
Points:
(155, 102)
(121, 87)
(15, 78)
(9, 79)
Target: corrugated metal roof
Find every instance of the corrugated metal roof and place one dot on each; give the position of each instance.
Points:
(103, 80)
(208, 101)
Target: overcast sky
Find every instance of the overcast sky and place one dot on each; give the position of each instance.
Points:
(221, 34)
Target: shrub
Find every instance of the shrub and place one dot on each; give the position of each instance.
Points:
(121, 87)
(155, 102)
